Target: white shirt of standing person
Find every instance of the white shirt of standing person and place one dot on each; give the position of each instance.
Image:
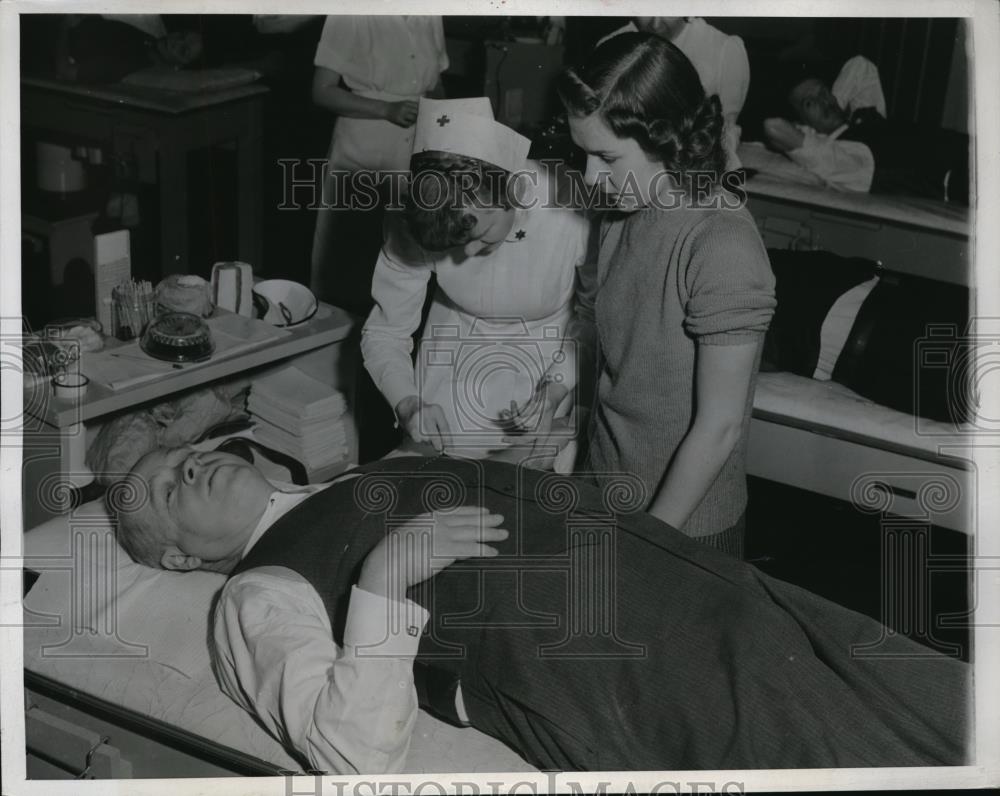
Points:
(388, 57)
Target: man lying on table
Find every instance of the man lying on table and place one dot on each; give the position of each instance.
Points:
(581, 632)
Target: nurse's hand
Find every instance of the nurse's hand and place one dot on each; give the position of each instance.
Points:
(538, 412)
(403, 114)
(534, 430)
(424, 422)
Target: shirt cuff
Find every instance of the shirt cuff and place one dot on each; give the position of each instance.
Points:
(378, 627)
(396, 386)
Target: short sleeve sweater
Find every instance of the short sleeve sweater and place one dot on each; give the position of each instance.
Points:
(670, 279)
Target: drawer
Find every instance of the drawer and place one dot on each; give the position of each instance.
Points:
(873, 480)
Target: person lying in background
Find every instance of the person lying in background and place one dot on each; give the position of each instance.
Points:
(842, 135)
(344, 610)
(103, 48)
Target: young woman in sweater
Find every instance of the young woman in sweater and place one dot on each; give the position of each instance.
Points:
(684, 291)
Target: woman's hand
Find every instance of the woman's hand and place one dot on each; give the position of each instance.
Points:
(538, 410)
(403, 114)
(534, 429)
(424, 422)
(422, 547)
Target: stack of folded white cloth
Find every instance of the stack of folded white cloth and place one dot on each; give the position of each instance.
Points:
(298, 415)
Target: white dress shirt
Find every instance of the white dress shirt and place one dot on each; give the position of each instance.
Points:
(349, 710)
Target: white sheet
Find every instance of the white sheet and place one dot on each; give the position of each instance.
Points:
(829, 405)
(779, 178)
(138, 638)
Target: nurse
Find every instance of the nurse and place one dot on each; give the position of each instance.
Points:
(487, 225)
(386, 63)
(685, 290)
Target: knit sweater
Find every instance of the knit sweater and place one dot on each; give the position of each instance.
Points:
(669, 280)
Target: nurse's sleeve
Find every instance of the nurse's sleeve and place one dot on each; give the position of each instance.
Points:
(346, 711)
(399, 286)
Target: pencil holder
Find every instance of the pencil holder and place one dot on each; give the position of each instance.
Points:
(131, 310)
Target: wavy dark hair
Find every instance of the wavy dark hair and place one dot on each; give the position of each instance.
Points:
(442, 186)
(644, 88)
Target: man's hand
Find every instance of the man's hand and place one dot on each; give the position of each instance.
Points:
(425, 545)
(424, 422)
(782, 135)
(535, 431)
(180, 48)
(403, 114)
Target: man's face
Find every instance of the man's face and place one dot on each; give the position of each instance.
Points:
(817, 106)
(208, 503)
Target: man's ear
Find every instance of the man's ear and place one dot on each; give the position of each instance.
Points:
(176, 559)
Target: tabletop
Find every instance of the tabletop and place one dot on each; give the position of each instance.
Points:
(329, 325)
(145, 97)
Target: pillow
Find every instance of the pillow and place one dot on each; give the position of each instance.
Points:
(88, 585)
(837, 327)
(809, 286)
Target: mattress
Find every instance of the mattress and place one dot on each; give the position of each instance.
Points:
(137, 638)
(830, 408)
(778, 177)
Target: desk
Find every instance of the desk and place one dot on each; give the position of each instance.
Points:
(158, 129)
(54, 429)
(907, 234)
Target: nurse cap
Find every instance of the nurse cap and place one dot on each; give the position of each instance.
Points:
(466, 127)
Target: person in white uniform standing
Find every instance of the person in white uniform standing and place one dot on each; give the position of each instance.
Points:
(481, 218)
(386, 63)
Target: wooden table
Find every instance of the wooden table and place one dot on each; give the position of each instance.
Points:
(55, 429)
(158, 129)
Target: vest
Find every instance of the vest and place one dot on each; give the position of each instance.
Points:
(327, 537)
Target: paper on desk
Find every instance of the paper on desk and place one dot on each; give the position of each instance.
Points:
(128, 365)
